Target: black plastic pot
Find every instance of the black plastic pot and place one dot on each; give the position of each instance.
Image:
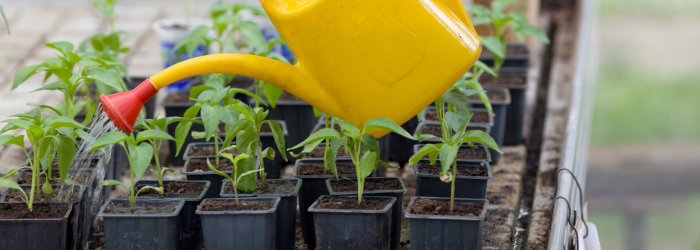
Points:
(142, 231)
(422, 124)
(465, 186)
(213, 190)
(353, 229)
(312, 187)
(190, 224)
(76, 216)
(300, 120)
(35, 233)
(500, 108)
(248, 229)
(512, 60)
(516, 110)
(395, 209)
(433, 232)
(489, 123)
(400, 147)
(286, 212)
(459, 161)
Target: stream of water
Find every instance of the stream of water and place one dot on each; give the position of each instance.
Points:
(88, 169)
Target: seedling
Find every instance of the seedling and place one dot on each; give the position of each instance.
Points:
(63, 66)
(331, 149)
(502, 25)
(155, 138)
(50, 137)
(237, 174)
(453, 126)
(139, 153)
(216, 105)
(360, 145)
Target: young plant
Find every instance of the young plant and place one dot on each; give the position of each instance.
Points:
(50, 137)
(454, 134)
(216, 105)
(237, 174)
(70, 78)
(331, 149)
(360, 145)
(139, 153)
(147, 129)
(502, 25)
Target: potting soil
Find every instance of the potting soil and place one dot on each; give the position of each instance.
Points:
(433, 207)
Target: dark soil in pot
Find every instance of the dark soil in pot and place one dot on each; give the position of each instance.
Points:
(196, 169)
(209, 151)
(435, 226)
(436, 131)
(370, 185)
(433, 207)
(173, 189)
(461, 170)
(246, 223)
(316, 169)
(320, 151)
(152, 224)
(494, 96)
(178, 98)
(342, 223)
(200, 165)
(471, 180)
(287, 190)
(477, 117)
(26, 177)
(467, 153)
(20, 228)
(14, 195)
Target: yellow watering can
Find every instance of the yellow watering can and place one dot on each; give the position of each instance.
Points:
(357, 59)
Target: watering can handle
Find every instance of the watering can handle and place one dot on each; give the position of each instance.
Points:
(285, 76)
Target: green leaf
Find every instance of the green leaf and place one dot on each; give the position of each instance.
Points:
(317, 112)
(278, 135)
(346, 126)
(535, 32)
(245, 92)
(368, 162)
(498, 6)
(141, 156)
(183, 127)
(216, 171)
(326, 133)
(65, 147)
(157, 189)
(55, 122)
(23, 74)
(481, 65)
(7, 24)
(386, 124)
(233, 130)
(246, 141)
(330, 155)
(426, 149)
(9, 139)
(21, 123)
(493, 44)
(46, 188)
(482, 95)
(107, 139)
(448, 153)
(13, 171)
(478, 10)
(63, 47)
(253, 36)
(457, 120)
(211, 115)
(481, 20)
(12, 184)
(272, 93)
(230, 115)
(246, 182)
(369, 143)
(246, 6)
(308, 148)
(110, 183)
(268, 153)
(386, 165)
(153, 134)
(480, 137)
(107, 77)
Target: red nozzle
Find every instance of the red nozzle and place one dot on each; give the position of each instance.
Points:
(123, 108)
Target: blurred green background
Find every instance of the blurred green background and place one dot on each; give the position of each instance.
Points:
(646, 108)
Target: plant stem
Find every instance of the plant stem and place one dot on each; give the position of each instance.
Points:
(216, 149)
(132, 194)
(454, 179)
(35, 179)
(159, 173)
(261, 159)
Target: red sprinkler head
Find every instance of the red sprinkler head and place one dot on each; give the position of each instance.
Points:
(123, 108)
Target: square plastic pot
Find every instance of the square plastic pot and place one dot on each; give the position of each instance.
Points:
(248, 229)
(465, 186)
(349, 229)
(76, 216)
(192, 147)
(213, 190)
(312, 187)
(459, 161)
(424, 116)
(142, 231)
(442, 232)
(396, 213)
(512, 60)
(24, 233)
(400, 147)
(286, 212)
(516, 110)
(190, 224)
(500, 108)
